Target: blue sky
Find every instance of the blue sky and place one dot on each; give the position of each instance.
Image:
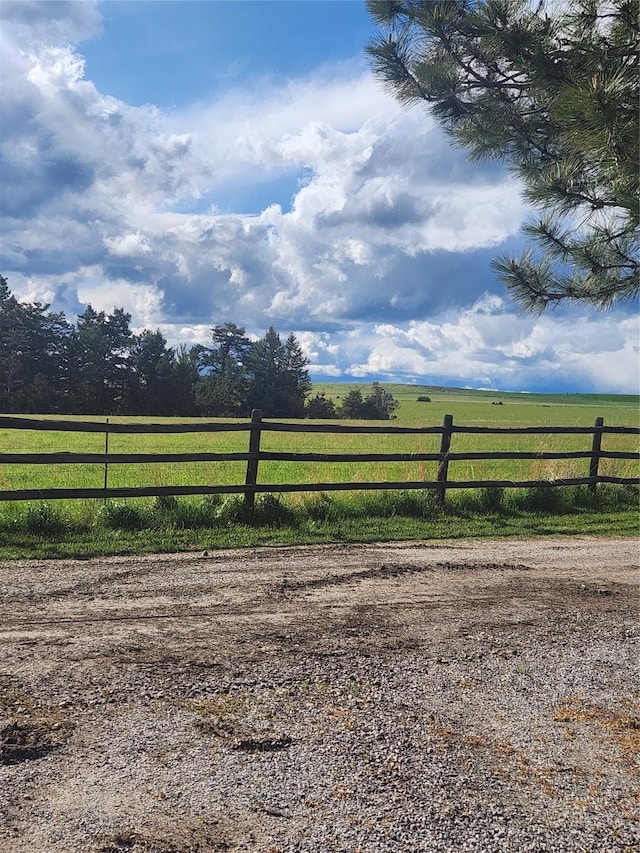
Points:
(205, 162)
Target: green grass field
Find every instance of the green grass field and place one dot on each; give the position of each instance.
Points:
(518, 409)
(480, 408)
(83, 527)
(473, 408)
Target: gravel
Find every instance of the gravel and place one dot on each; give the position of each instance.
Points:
(472, 697)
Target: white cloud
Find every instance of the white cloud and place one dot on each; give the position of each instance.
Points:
(112, 173)
(128, 245)
(385, 244)
(139, 300)
(50, 21)
(488, 344)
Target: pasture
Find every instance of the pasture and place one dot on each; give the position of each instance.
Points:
(90, 527)
(469, 408)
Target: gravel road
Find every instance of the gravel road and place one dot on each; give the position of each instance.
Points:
(449, 697)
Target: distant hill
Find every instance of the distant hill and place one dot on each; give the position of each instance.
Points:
(440, 393)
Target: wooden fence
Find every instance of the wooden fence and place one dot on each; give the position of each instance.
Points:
(254, 455)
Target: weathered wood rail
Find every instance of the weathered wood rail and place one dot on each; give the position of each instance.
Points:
(254, 455)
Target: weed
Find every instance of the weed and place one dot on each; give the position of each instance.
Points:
(121, 516)
(208, 505)
(389, 504)
(544, 499)
(491, 498)
(415, 504)
(582, 498)
(271, 509)
(617, 497)
(223, 705)
(44, 520)
(165, 510)
(169, 511)
(268, 509)
(623, 727)
(232, 509)
(318, 507)
(169, 524)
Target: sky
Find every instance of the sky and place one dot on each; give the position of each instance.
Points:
(198, 163)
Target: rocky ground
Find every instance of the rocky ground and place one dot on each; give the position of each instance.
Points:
(478, 696)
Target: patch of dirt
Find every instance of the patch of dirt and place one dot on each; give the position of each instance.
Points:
(23, 741)
(131, 841)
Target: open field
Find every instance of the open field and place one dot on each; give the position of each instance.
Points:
(480, 408)
(473, 408)
(424, 698)
(409, 393)
(94, 527)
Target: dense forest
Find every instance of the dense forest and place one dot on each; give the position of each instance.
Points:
(98, 366)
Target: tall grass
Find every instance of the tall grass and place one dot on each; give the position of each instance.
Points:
(170, 524)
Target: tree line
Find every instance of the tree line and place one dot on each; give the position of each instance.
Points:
(99, 366)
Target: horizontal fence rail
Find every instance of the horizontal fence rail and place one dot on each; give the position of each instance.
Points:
(254, 455)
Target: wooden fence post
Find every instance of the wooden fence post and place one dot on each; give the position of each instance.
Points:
(252, 464)
(595, 451)
(106, 454)
(443, 467)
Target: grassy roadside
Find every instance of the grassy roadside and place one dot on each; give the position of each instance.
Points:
(170, 525)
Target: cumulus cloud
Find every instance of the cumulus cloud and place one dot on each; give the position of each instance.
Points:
(118, 177)
(380, 263)
(488, 345)
(50, 21)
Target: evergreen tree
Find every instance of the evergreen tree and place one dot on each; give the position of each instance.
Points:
(99, 357)
(319, 406)
(553, 95)
(231, 342)
(379, 404)
(32, 355)
(279, 381)
(223, 388)
(376, 406)
(152, 382)
(295, 377)
(352, 405)
(185, 377)
(264, 364)
(98, 366)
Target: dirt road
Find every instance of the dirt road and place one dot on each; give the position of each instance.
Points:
(371, 698)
